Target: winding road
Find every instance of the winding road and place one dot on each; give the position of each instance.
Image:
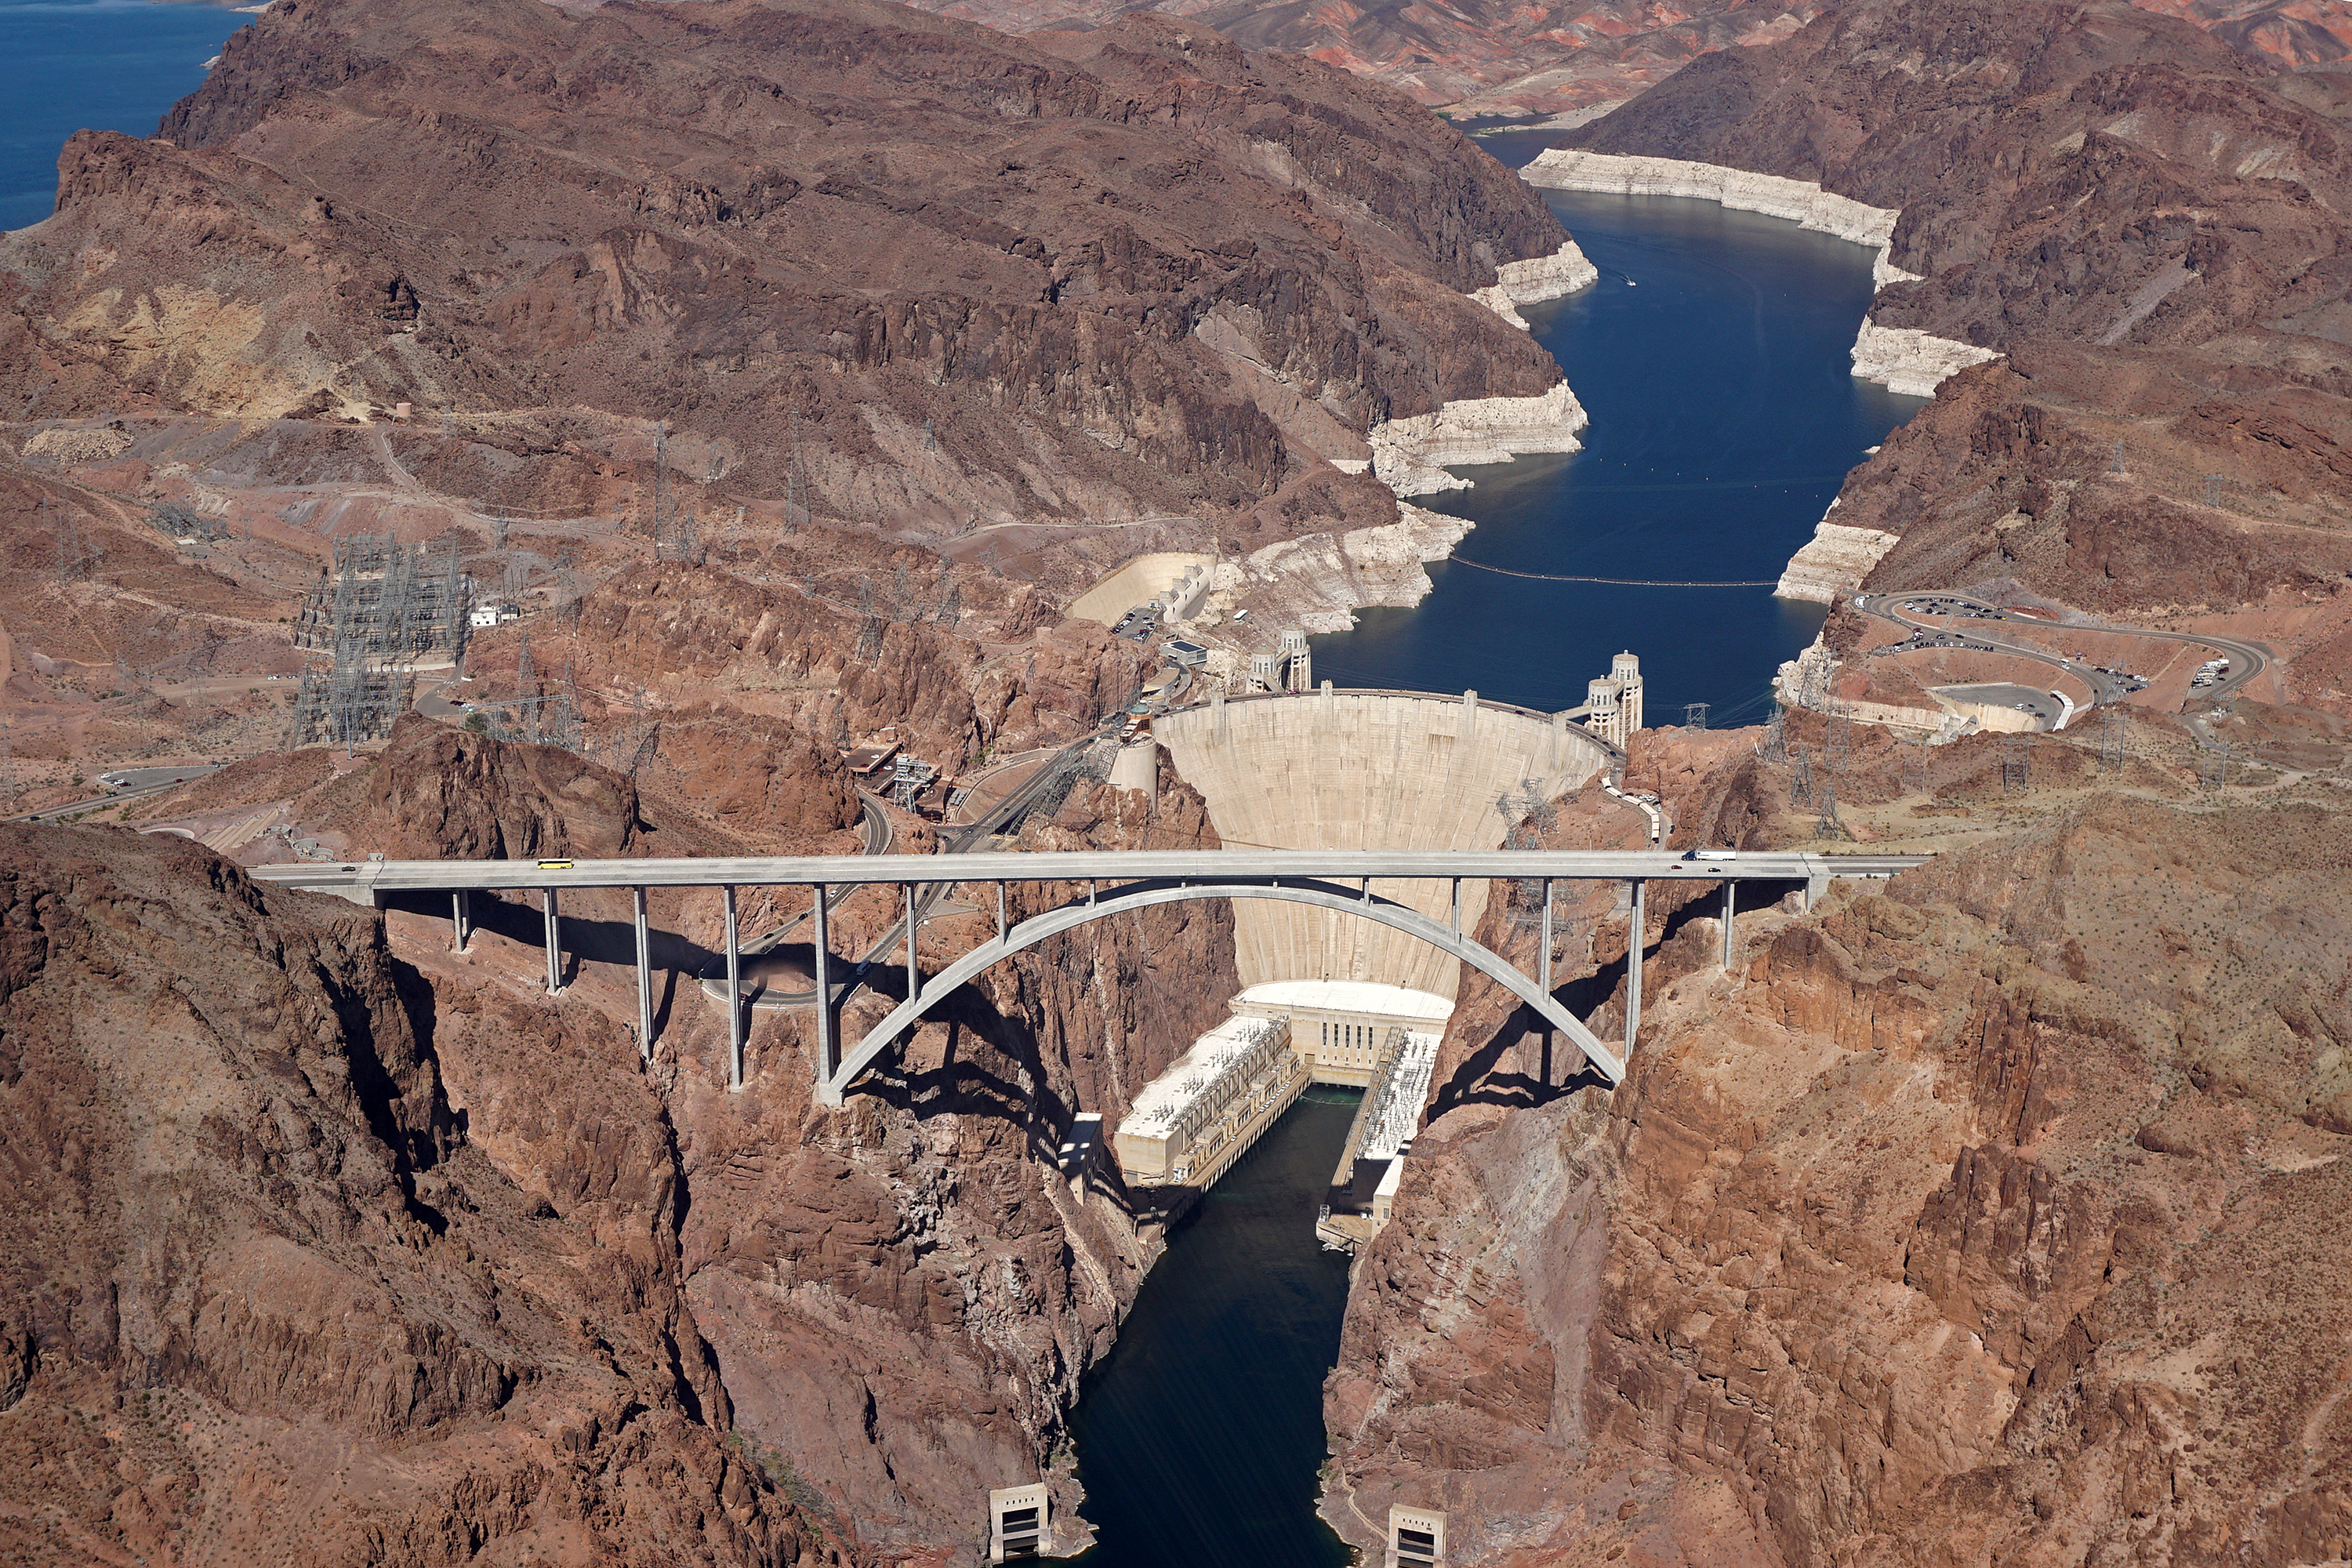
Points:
(2246, 660)
(879, 841)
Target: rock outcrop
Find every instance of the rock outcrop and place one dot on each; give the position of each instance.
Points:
(1409, 455)
(1834, 562)
(1533, 281)
(1318, 582)
(978, 305)
(270, 1296)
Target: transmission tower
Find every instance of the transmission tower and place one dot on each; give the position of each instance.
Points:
(2114, 739)
(1839, 745)
(2213, 489)
(1776, 735)
(2214, 764)
(1826, 824)
(1695, 715)
(870, 624)
(2115, 463)
(2016, 755)
(1800, 779)
(661, 485)
(1914, 766)
(1532, 822)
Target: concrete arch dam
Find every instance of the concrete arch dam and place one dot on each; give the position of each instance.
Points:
(1368, 771)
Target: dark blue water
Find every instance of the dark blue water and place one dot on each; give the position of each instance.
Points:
(1200, 1435)
(1712, 359)
(94, 65)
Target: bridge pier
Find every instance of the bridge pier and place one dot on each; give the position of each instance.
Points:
(734, 998)
(1543, 979)
(914, 975)
(553, 941)
(460, 919)
(1637, 936)
(1730, 887)
(828, 1027)
(644, 981)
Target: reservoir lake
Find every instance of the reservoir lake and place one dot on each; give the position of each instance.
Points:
(99, 65)
(1712, 360)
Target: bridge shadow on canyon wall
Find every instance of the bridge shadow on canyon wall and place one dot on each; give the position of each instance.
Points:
(991, 1067)
(1524, 1037)
(587, 939)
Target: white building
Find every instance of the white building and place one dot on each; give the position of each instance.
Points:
(1191, 1123)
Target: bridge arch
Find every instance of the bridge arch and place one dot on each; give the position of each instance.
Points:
(1363, 904)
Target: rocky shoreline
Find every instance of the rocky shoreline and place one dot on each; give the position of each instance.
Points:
(1834, 562)
(1906, 361)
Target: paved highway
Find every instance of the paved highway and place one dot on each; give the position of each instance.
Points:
(2246, 660)
(363, 881)
(122, 785)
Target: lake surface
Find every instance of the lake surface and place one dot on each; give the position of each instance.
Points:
(1201, 1435)
(99, 65)
(1712, 360)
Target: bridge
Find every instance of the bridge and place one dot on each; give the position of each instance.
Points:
(1116, 881)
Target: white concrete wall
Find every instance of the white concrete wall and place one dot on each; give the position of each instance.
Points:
(1349, 771)
(1138, 581)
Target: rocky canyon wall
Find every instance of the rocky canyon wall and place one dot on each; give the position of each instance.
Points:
(978, 306)
(1977, 1220)
(274, 1294)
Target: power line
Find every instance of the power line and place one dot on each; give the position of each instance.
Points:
(1610, 581)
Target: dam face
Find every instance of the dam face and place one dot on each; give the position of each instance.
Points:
(1331, 770)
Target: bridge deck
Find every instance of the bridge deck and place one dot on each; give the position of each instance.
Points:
(361, 880)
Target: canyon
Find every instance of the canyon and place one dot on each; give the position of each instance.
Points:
(1988, 1216)
(1977, 1220)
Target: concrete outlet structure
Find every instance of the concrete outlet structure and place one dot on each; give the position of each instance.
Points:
(1020, 1522)
(1416, 1538)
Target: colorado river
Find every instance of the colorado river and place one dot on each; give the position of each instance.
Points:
(1200, 1435)
(1712, 359)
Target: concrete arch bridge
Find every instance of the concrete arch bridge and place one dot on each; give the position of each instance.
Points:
(1341, 882)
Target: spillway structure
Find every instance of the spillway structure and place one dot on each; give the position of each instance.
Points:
(1354, 1003)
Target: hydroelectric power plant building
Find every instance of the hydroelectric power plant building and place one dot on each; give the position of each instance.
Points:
(1329, 997)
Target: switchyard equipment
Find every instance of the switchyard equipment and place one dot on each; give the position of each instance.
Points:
(387, 602)
(387, 608)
